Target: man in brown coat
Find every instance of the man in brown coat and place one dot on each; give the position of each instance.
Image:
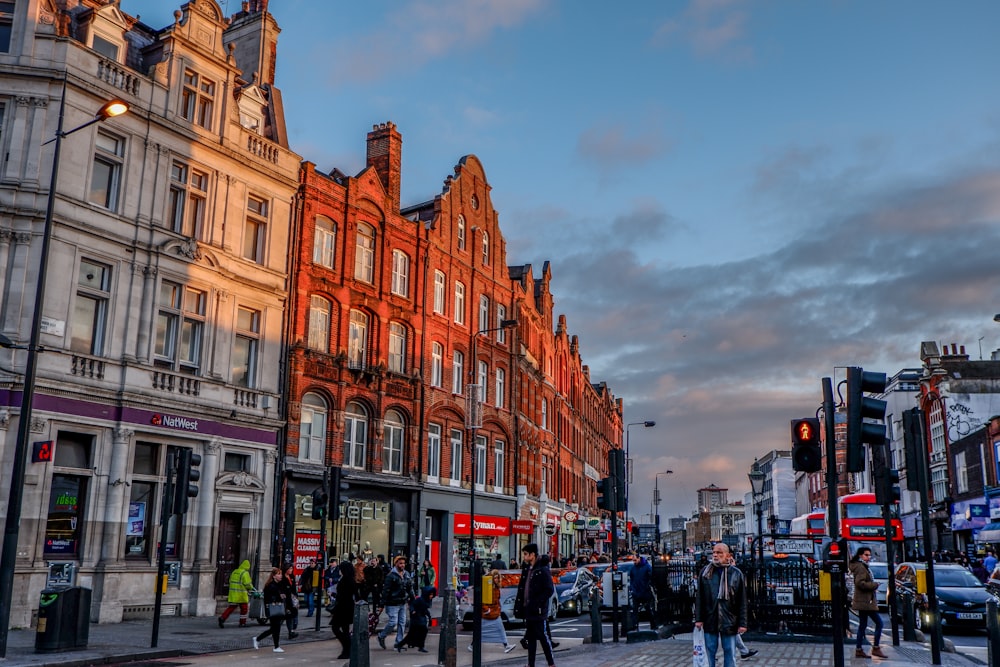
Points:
(865, 603)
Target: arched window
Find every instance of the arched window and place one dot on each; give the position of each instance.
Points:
(397, 347)
(355, 435)
(392, 448)
(319, 324)
(312, 428)
(437, 365)
(357, 340)
(364, 254)
(400, 273)
(324, 240)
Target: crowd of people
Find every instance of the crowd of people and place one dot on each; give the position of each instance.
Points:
(404, 595)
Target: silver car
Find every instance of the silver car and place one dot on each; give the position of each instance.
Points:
(880, 573)
(508, 593)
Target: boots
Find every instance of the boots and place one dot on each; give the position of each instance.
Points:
(878, 653)
(860, 653)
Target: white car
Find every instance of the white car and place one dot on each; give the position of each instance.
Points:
(508, 593)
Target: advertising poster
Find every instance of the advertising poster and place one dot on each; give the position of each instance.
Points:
(136, 519)
(307, 543)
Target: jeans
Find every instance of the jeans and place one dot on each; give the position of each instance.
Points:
(728, 648)
(310, 602)
(397, 618)
(863, 617)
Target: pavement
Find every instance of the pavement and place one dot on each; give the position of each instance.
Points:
(199, 641)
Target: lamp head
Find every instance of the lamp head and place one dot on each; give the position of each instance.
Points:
(649, 424)
(507, 324)
(111, 109)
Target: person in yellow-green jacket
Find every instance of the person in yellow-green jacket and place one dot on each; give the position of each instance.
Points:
(240, 586)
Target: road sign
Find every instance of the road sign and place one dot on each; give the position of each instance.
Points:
(793, 546)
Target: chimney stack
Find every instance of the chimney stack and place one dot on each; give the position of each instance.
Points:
(385, 147)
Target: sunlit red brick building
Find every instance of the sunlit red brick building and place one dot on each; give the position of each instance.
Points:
(394, 313)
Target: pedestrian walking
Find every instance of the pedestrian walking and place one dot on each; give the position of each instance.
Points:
(428, 575)
(498, 563)
(641, 586)
(721, 605)
(331, 577)
(307, 587)
(278, 606)
(420, 619)
(395, 594)
(292, 618)
(240, 587)
(534, 592)
(342, 615)
(865, 603)
(493, 631)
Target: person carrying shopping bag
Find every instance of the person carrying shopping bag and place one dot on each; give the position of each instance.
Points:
(278, 606)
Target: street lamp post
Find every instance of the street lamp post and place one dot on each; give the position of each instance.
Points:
(12, 525)
(757, 476)
(656, 502)
(473, 422)
(628, 462)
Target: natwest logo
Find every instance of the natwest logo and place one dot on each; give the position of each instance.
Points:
(173, 421)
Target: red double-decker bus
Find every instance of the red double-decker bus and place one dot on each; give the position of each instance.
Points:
(862, 524)
(812, 524)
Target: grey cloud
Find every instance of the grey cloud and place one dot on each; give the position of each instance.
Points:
(613, 145)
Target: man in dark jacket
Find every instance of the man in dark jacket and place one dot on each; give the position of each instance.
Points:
(534, 595)
(641, 584)
(306, 585)
(396, 594)
(721, 605)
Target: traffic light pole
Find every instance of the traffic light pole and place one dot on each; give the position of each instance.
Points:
(166, 511)
(322, 553)
(925, 524)
(614, 571)
(833, 520)
(881, 461)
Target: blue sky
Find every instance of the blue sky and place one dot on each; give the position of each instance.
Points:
(737, 198)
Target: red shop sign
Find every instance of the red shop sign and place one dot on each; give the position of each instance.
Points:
(493, 526)
(520, 527)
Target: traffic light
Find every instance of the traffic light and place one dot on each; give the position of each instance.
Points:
(187, 476)
(319, 500)
(913, 447)
(835, 556)
(606, 499)
(859, 408)
(616, 468)
(807, 455)
(336, 475)
(888, 484)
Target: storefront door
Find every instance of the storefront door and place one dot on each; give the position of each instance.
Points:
(230, 548)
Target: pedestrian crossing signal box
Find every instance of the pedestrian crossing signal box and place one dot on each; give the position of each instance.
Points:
(835, 557)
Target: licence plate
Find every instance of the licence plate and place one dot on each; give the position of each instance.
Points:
(968, 616)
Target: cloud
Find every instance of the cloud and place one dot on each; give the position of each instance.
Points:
(613, 146)
(711, 28)
(723, 356)
(422, 31)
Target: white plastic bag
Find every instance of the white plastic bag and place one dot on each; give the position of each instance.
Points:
(700, 656)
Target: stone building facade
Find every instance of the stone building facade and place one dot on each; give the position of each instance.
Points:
(165, 301)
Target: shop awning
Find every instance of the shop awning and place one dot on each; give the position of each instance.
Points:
(989, 533)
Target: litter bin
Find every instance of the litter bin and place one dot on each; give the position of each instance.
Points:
(63, 619)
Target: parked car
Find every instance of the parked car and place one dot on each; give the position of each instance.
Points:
(508, 593)
(573, 587)
(880, 573)
(960, 596)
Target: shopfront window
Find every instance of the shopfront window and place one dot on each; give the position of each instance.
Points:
(363, 528)
(64, 522)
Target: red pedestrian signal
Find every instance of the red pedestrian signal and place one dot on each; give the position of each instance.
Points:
(807, 454)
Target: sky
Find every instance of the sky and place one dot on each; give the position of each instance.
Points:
(737, 198)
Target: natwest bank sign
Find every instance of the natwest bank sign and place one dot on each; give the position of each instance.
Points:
(493, 526)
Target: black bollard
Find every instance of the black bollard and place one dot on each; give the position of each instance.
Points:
(449, 631)
(596, 627)
(909, 631)
(359, 637)
(992, 633)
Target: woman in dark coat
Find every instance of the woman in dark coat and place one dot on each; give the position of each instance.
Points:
(292, 595)
(343, 609)
(420, 620)
(274, 593)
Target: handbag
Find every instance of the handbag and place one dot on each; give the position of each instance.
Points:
(276, 610)
(699, 655)
(372, 623)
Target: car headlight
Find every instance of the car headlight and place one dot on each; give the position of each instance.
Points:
(566, 594)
